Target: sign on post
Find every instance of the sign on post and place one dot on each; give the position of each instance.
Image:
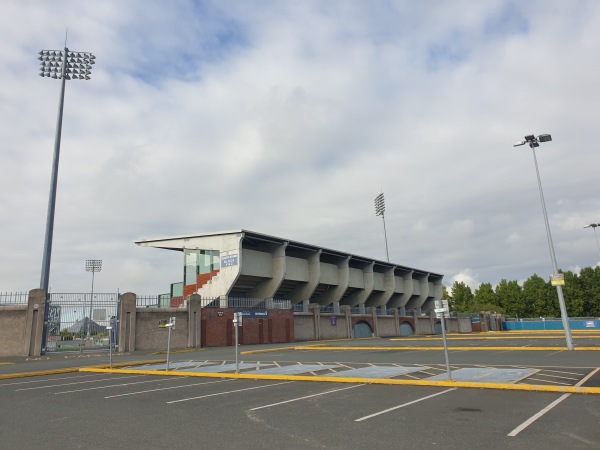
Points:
(558, 279)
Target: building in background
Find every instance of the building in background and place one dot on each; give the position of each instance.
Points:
(246, 264)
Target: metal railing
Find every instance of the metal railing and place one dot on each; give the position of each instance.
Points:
(79, 321)
(14, 298)
(159, 301)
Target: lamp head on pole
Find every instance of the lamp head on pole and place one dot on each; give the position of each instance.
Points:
(533, 141)
(379, 205)
(93, 265)
(74, 65)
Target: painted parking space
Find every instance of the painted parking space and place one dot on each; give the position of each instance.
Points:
(294, 369)
(377, 372)
(172, 365)
(486, 375)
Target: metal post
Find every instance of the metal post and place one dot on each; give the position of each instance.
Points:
(561, 299)
(236, 322)
(169, 326)
(445, 346)
(91, 300)
(110, 345)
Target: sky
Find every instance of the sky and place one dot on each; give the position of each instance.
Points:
(288, 118)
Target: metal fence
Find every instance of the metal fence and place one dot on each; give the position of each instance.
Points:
(159, 301)
(78, 322)
(13, 298)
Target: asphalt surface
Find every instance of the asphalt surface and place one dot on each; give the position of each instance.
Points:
(137, 410)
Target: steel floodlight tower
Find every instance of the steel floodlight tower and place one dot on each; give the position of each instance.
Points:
(63, 65)
(594, 225)
(380, 211)
(533, 142)
(92, 265)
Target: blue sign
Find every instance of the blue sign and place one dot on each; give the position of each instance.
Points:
(333, 321)
(254, 313)
(229, 260)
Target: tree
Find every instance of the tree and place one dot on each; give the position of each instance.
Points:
(537, 299)
(589, 283)
(485, 295)
(574, 296)
(462, 297)
(509, 296)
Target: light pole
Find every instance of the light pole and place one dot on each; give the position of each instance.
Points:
(92, 265)
(380, 211)
(533, 142)
(594, 225)
(63, 65)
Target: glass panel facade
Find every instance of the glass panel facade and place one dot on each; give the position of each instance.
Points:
(199, 262)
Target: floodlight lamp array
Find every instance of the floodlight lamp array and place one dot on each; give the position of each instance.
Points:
(534, 141)
(93, 265)
(72, 65)
(379, 205)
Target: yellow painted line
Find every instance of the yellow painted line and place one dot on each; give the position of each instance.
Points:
(5, 363)
(496, 338)
(272, 350)
(74, 369)
(449, 348)
(384, 381)
(269, 350)
(37, 374)
(187, 350)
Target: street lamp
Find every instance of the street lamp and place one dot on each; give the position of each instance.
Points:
(380, 211)
(92, 265)
(533, 142)
(594, 225)
(63, 65)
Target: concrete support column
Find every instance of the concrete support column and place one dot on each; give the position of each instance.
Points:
(416, 321)
(316, 310)
(374, 317)
(362, 309)
(127, 319)
(268, 288)
(34, 330)
(348, 315)
(337, 292)
(305, 304)
(402, 310)
(314, 273)
(396, 321)
(336, 307)
(407, 281)
(194, 321)
(432, 320)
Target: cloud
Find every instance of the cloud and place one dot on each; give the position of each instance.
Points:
(288, 118)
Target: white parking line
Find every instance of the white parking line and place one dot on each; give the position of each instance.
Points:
(305, 397)
(403, 405)
(113, 385)
(228, 392)
(166, 388)
(69, 384)
(50, 379)
(539, 414)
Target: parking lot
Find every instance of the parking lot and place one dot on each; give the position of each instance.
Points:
(207, 405)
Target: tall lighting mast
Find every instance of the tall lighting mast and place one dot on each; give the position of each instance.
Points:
(62, 65)
(380, 211)
(534, 142)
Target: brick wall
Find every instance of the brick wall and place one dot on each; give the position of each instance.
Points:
(218, 330)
